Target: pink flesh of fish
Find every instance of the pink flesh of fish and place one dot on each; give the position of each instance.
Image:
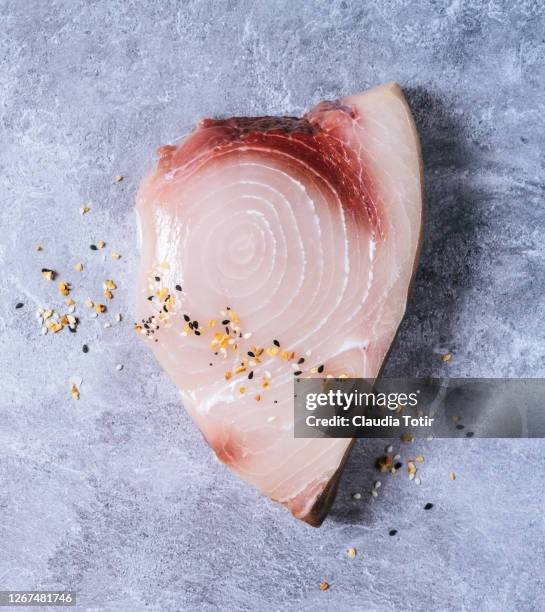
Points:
(309, 230)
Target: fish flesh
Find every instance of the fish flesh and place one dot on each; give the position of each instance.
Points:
(274, 246)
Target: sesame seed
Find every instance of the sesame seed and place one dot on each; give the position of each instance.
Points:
(351, 552)
(93, 247)
(276, 343)
(85, 348)
(251, 354)
(119, 367)
(320, 369)
(428, 506)
(324, 585)
(178, 287)
(186, 318)
(251, 375)
(157, 278)
(301, 360)
(356, 495)
(298, 373)
(392, 532)
(19, 305)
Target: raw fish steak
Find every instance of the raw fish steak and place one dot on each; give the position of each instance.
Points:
(274, 247)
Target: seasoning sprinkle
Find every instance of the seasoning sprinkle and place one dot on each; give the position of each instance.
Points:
(74, 391)
(452, 476)
(320, 369)
(48, 274)
(351, 552)
(392, 532)
(118, 178)
(276, 343)
(428, 506)
(115, 255)
(178, 287)
(78, 267)
(19, 305)
(446, 357)
(324, 586)
(85, 348)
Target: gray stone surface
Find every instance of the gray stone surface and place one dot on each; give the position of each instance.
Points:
(117, 495)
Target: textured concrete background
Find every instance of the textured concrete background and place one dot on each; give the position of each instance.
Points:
(117, 495)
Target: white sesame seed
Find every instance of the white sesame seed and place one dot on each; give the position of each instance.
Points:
(119, 317)
(356, 495)
(397, 457)
(374, 493)
(93, 315)
(389, 449)
(417, 481)
(377, 484)
(119, 367)
(107, 325)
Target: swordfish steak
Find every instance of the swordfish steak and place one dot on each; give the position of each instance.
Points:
(274, 247)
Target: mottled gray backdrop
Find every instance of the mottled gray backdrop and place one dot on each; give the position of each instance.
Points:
(117, 496)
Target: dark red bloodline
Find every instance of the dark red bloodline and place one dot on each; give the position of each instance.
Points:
(317, 140)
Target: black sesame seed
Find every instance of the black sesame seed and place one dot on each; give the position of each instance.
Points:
(19, 305)
(150, 298)
(85, 348)
(392, 532)
(428, 506)
(210, 364)
(178, 287)
(195, 324)
(276, 343)
(459, 427)
(71, 329)
(190, 325)
(302, 360)
(146, 325)
(250, 375)
(298, 373)
(320, 369)
(251, 354)
(94, 247)
(398, 465)
(227, 330)
(225, 322)
(157, 278)
(470, 434)
(276, 401)
(197, 332)
(187, 318)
